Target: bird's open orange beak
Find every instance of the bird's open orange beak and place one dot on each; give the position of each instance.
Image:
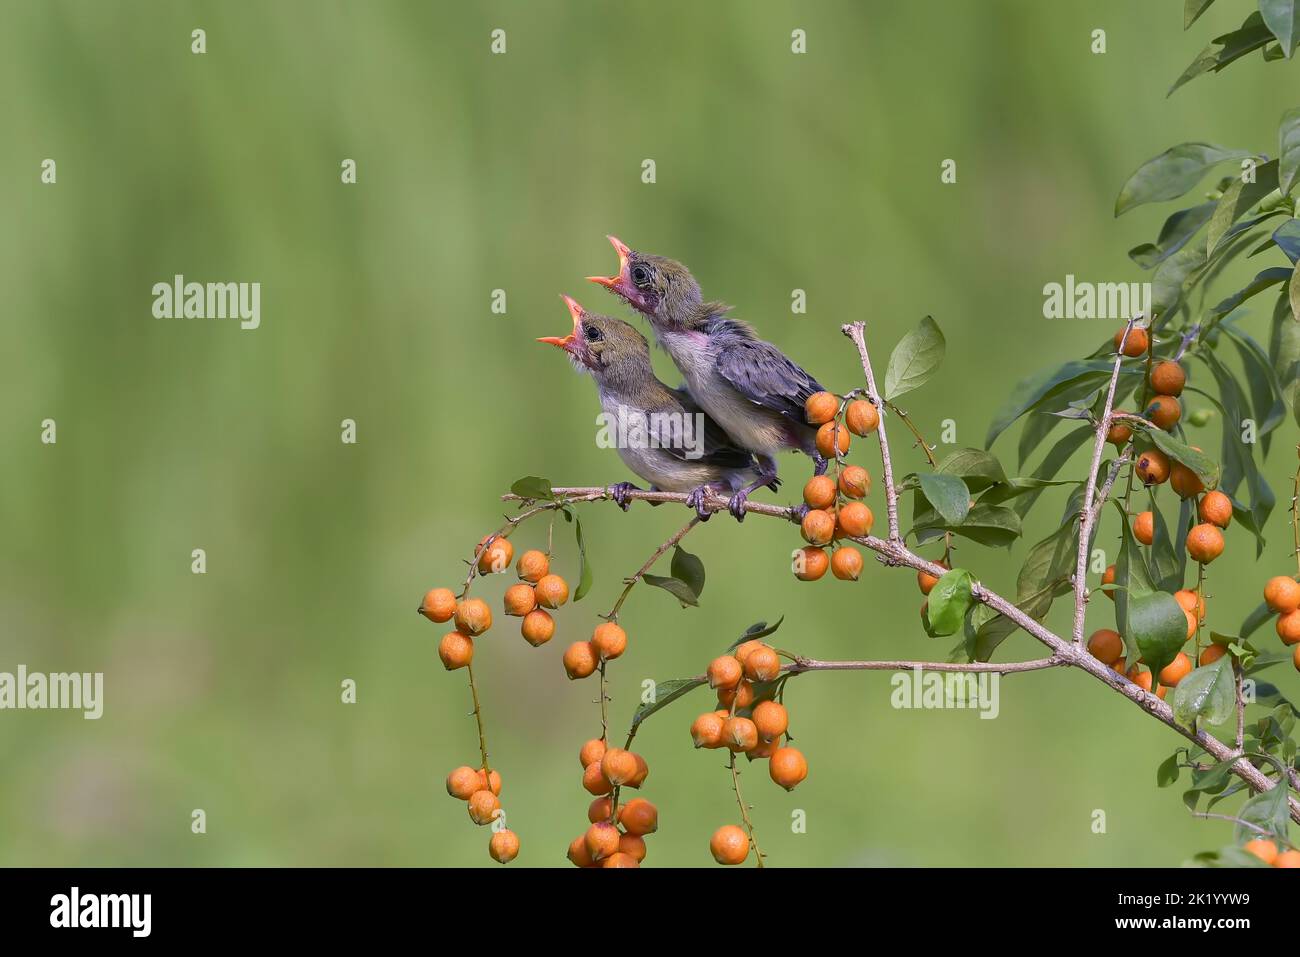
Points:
(566, 342)
(620, 281)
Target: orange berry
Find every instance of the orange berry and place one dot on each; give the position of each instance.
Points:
(818, 527)
(578, 853)
(1143, 680)
(788, 767)
(832, 440)
(729, 845)
(1288, 627)
(504, 846)
(706, 730)
(495, 557)
(739, 734)
(762, 664)
(1153, 467)
(855, 481)
(579, 660)
(629, 845)
(538, 627)
(1106, 646)
(1282, 595)
(846, 563)
(618, 766)
(473, 617)
(764, 749)
(533, 566)
(810, 563)
(1287, 859)
(742, 650)
(1184, 481)
(1190, 601)
(926, 582)
(1108, 578)
(620, 859)
(1191, 624)
(819, 492)
(861, 417)
(490, 782)
(1163, 411)
(1168, 378)
(1144, 528)
(1119, 434)
(1135, 344)
(552, 591)
(820, 407)
(609, 640)
(638, 816)
(854, 520)
(1215, 508)
(455, 650)
(483, 807)
(594, 780)
(1119, 667)
(1176, 670)
(1265, 850)
(600, 809)
(1212, 653)
(519, 600)
(439, 605)
(463, 782)
(601, 840)
(1295, 658)
(642, 771)
(771, 719)
(742, 696)
(1204, 543)
(724, 672)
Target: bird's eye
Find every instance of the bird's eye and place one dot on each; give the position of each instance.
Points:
(641, 276)
(591, 333)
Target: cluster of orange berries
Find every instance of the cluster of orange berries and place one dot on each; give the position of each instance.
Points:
(743, 725)
(616, 837)
(1268, 852)
(1282, 595)
(835, 510)
(481, 792)
(1107, 646)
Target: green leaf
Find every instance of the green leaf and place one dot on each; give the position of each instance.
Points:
(1168, 771)
(991, 525)
(758, 630)
(1284, 349)
(1268, 810)
(1237, 199)
(530, 486)
(1172, 173)
(977, 468)
(914, 359)
(1210, 781)
(1250, 36)
(665, 693)
(1209, 692)
(1265, 391)
(1165, 567)
(1177, 230)
(1043, 386)
(675, 587)
(1288, 135)
(584, 566)
(688, 569)
(1263, 280)
(949, 495)
(1280, 18)
(1206, 469)
(1159, 627)
(948, 602)
(1192, 10)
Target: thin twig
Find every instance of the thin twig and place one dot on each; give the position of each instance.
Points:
(744, 811)
(856, 332)
(630, 583)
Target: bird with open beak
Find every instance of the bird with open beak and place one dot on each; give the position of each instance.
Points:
(746, 385)
(661, 434)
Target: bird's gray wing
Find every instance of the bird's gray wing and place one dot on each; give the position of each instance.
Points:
(763, 374)
(683, 441)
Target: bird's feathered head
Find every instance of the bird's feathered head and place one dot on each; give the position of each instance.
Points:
(661, 289)
(608, 349)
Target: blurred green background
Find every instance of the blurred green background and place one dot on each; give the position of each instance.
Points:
(477, 172)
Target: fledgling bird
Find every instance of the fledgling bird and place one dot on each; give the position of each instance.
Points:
(661, 434)
(748, 386)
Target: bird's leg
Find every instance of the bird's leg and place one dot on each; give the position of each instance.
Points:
(766, 476)
(820, 462)
(619, 494)
(698, 496)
